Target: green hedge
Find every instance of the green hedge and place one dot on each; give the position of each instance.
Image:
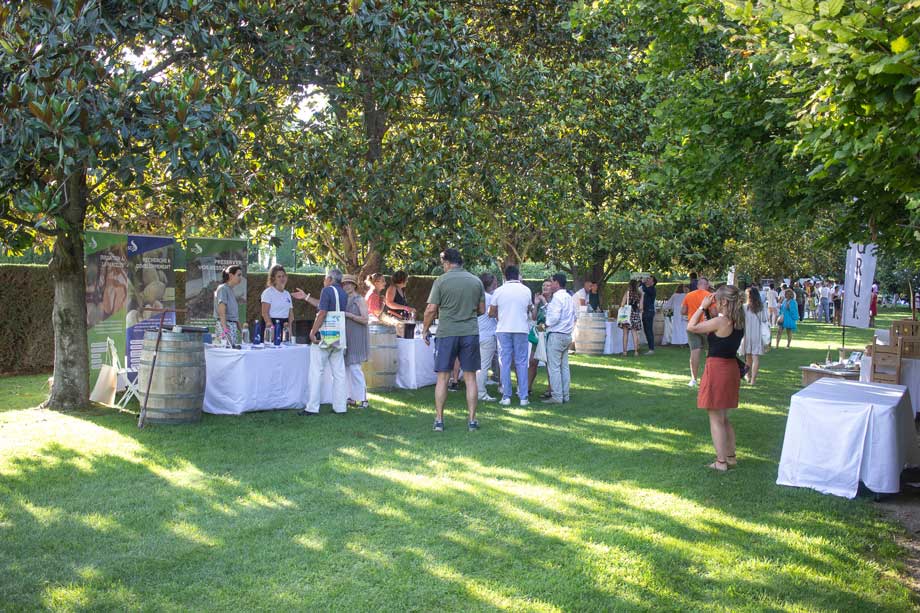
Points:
(26, 291)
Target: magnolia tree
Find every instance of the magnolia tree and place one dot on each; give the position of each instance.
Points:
(105, 100)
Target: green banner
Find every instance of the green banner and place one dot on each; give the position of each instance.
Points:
(206, 259)
(107, 289)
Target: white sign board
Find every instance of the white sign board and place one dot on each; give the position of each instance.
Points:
(731, 276)
(857, 292)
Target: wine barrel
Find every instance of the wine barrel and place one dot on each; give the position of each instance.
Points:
(590, 333)
(177, 389)
(658, 327)
(380, 368)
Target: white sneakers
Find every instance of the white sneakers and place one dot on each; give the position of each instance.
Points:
(692, 383)
(525, 402)
(486, 398)
(505, 402)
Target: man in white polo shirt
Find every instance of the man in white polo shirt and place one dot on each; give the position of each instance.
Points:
(509, 305)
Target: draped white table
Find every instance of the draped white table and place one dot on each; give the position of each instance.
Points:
(910, 377)
(241, 380)
(839, 433)
(675, 330)
(614, 342)
(415, 363)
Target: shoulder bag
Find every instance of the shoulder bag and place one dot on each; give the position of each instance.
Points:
(332, 332)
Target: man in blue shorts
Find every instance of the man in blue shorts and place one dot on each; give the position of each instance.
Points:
(457, 299)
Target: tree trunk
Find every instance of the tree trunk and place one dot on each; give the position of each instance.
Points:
(372, 263)
(70, 389)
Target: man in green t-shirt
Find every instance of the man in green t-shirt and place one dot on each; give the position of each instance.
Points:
(457, 298)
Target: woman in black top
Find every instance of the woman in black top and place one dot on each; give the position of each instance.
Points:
(722, 378)
(395, 302)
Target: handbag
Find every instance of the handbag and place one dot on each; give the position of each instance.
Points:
(332, 332)
(107, 382)
(766, 335)
(532, 337)
(539, 353)
(742, 367)
(624, 314)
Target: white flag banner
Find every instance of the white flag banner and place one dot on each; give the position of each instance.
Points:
(857, 287)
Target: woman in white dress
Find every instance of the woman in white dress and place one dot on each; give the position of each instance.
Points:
(678, 321)
(755, 317)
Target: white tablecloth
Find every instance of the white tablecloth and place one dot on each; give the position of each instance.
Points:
(839, 433)
(614, 342)
(255, 379)
(415, 363)
(910, 377)
(675, 331)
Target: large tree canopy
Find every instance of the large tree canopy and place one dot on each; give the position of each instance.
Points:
(594, 136)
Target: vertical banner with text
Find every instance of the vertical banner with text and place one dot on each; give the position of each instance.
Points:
(206, 260)
(107, 288)
(857, 288)
(152, 287)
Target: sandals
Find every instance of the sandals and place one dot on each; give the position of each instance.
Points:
(719, 466)
(731, 460)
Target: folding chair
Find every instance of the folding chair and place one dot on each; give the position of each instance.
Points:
(128, 384)
(886, 363)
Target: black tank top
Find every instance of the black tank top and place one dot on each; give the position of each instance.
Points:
(725, 347)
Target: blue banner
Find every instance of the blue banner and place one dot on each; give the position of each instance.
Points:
(152, 288)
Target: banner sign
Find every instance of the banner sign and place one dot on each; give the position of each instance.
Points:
(857, 286)
(206, 259)
(152, 285)
(107, 289)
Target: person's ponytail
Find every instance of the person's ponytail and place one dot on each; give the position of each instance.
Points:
(734, 306)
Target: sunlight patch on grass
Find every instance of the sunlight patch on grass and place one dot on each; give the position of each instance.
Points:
(258, 500)
(311, 540)
(484, 593)
(192, 533)
(652, 377)
(69, 597)
(98, 522)
(631, 427)
(43, 516)
(375, 506)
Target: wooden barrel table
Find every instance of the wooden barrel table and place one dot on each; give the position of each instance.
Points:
(658, 327)
(380, 368)
(177, 389)
(590, 333)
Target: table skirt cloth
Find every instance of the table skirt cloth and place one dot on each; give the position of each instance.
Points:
(839, 433)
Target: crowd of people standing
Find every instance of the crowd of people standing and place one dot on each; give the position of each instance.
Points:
(471, 320)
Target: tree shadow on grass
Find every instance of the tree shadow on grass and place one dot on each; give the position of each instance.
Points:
(601, 504)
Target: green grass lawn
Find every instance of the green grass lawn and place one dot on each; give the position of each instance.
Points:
(603, 504)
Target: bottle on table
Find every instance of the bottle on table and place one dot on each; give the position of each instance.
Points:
(286, 334)
(276, 334)
(244, 335)
(267, 335)
(257, 332)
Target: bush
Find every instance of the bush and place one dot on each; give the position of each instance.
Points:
(27, 336)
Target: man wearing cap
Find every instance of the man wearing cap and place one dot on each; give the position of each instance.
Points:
(457, 299)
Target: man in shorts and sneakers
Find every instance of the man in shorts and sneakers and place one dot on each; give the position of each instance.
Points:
(697, 342)
(457, 299)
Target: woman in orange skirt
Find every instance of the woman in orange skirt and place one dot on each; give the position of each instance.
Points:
(722, 377)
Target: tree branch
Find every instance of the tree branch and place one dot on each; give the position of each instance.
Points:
(26, 223)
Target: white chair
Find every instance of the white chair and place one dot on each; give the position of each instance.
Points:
(127, 383)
